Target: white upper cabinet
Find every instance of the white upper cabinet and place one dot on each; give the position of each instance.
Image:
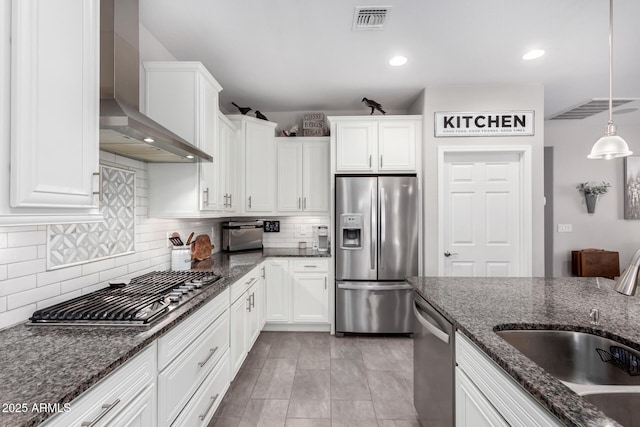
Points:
(257, 163)
(303, 175)
(226, 194)
(183, 97)
(49, 107)
(384, 144)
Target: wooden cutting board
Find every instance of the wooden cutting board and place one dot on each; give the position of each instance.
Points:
(201, 248)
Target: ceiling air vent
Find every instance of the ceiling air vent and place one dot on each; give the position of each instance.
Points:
(590, 108)
(370, 17)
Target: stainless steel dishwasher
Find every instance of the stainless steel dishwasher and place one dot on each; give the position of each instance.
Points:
(433, 370)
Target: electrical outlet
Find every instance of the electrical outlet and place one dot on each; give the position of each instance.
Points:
(565, 228)
(304, 230)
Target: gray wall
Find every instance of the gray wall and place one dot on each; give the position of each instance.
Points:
(606, 228)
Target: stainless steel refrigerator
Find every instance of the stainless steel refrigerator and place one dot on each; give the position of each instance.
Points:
(376, 247)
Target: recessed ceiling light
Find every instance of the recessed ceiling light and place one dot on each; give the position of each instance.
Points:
(533, 54)
(189, 156)
(397, 61)
(148, 140)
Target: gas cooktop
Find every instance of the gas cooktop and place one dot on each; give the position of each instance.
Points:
(143, 300)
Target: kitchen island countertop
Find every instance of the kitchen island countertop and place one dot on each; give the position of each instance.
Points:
(55, 364)
(479, 306)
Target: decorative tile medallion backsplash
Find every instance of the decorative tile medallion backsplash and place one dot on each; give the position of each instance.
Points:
(69, 244)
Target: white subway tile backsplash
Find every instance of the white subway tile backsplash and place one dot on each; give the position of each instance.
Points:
(137, 266)
(3, 304)
(113, 273)
(58, 275)
(32, 296)
(28, 238)
(18, 229)
(9, 255)
(57, 299)
(42, 251)
(95, 287)
(25, 268)
(19, 315)
(78, 283)
(3, 240)
(97, 266)
(126, 259)
(19, 284)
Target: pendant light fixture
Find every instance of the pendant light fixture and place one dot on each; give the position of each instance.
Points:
(610, 145)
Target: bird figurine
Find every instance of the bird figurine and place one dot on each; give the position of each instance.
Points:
(373, 105)
(243, 110)
(261, 116)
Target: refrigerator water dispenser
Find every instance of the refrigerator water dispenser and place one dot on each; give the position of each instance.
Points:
(351, 226)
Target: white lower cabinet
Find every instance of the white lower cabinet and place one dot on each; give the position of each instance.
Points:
(297, 294)
(126, 397)
(204, 403)
(486, 395)
(247, 318)
(472, 408)
(310, 290)
(190, 357)
(277, 290)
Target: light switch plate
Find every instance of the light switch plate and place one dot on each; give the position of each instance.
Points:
(565, 228)
(304, 230)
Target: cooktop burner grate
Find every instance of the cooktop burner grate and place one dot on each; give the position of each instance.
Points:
(143, 300)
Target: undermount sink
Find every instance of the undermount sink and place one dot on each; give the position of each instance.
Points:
(603, 371)
(578, 357)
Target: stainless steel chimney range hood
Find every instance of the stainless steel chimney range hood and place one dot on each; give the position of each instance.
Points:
(123, 129)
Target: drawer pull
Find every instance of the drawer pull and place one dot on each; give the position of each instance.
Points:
(249, 304)
(105, 409)
(310, 266)
(213, 400)
(211, 353)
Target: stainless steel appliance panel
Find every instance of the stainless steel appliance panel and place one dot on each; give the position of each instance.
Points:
(242, 236)
(374, 307)
(356, 235)
(398, 227)
(433, 371)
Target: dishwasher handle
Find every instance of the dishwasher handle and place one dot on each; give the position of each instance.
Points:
(437, 332)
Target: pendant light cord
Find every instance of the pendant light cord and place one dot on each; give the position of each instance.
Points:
(610, 63)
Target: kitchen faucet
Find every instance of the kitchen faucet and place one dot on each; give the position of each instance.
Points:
(628, 282)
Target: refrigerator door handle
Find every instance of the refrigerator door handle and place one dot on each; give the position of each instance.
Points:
(373, 230)
(383, 225)
(373, 287)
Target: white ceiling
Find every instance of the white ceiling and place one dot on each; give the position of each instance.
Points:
(302, 55)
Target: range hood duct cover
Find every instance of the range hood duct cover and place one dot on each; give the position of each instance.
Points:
(123, 129)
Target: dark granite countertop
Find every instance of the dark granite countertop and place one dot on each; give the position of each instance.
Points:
(478, 306)
(55, 364)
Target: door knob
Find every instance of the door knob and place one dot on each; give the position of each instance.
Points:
(448, 254)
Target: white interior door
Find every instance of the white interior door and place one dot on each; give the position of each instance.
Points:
(482, 221)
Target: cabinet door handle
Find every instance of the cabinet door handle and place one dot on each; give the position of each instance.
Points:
(226, 200)
(204, 362)
(230, 200)
(263, 271)
(105, 409)
(249, 304)
(381, 163)
(325, 282)
(99, 192)
(213, 400)
(252, 300)
(299, 203)
(205, 199)
(304, 203)
(249, 202)
(369, 160)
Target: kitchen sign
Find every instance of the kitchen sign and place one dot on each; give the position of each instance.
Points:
(492, 123)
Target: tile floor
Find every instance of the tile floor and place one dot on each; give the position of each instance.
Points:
(298, 379)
